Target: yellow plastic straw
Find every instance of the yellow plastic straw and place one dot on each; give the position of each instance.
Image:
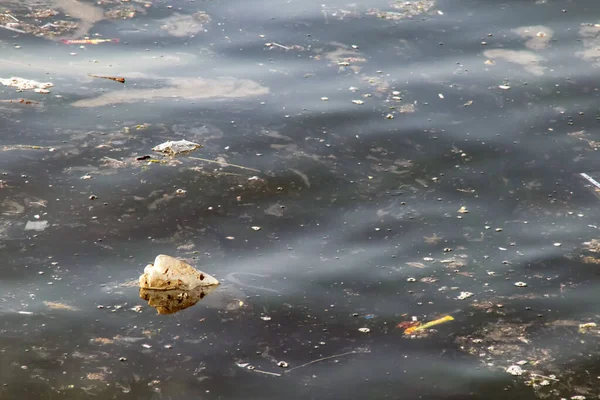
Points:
(428, 325)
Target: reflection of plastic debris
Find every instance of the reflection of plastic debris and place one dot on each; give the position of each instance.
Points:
(515, 370)
(27, 84)
(36, 225)
(169, 273)
(177, 147)
(417, 328)
(172, 301)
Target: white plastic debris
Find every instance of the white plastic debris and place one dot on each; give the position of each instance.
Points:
(515, 370)
(520, 284)
(36, 225)
(22, 84)
(358, 102)
(177, 147)
(169, 273)
(464, 295)
(364, 330)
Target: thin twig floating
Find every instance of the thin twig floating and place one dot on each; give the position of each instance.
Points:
(276, 44)
(324, 359)
(225, 163)
(543, 376)
(266, 372)
(112, 78)
(12, 29)
(10, 16)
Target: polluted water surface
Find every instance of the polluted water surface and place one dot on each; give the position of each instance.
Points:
(375, 199)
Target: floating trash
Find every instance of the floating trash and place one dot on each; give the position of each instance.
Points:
(515, 370)
(464, 295)
(22, 84)
(168, 273)
(584, 328)
(36, 225)
(364, 330)
(174, 148)
(520, 284)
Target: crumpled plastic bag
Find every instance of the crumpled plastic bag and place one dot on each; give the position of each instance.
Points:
(172, 301)
(169, 273)
(174, 148)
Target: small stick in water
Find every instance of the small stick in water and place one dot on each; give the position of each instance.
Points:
(224, 163)
(112, 78)
(324, 359)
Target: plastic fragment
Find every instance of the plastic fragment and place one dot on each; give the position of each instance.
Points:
(177, 147)
(583, 328)
(170, 273)
(464, 295)
(22, 84)
(515, 370)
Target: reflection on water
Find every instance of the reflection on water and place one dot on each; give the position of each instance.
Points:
(365, 168)
(172, 301)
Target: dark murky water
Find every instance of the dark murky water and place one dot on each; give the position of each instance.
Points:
(394, 155)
